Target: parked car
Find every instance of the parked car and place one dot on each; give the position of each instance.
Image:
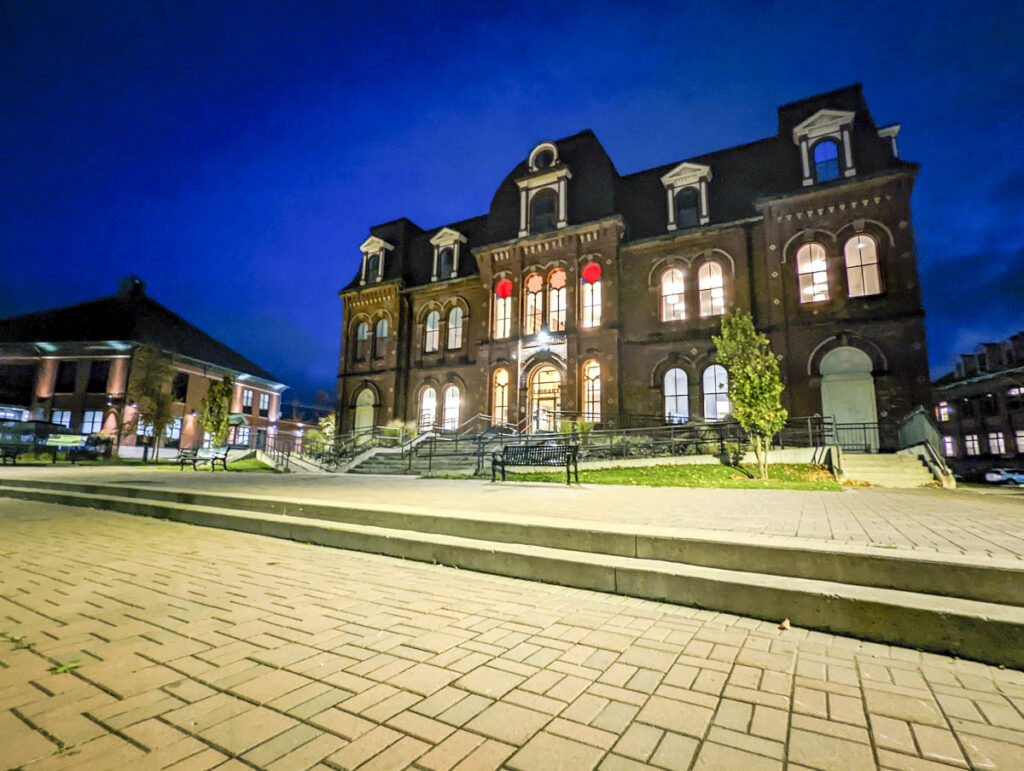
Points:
(1005, 476)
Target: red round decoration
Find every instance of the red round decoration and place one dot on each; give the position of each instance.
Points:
(592, 273)
(503, 288)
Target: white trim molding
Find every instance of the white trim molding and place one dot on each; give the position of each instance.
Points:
(446, 238)
(890, 132)
(554, 177)
(378, 246)
(830, 124)
(686, 175)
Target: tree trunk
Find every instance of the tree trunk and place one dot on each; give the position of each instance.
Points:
(761, 453)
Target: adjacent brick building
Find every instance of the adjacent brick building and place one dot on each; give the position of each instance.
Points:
(586, 292)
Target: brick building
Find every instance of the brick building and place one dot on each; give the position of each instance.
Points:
(586, 292)
(71, 365)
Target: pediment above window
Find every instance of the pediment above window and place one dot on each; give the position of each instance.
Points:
(686, 174)
(447, 237)
(373, 244)
(822, 123)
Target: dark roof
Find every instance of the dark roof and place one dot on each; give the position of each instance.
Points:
(130, 316)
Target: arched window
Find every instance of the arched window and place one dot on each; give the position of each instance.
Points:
(711, 285)
(362, 340)
(543, 211)
(812, 270)
(502, 309)
(687, 203)
(373, 267)
(591, 276)
(450, 420)
(677, 396)
(862, 276)
(592, 392)
(454, 328)
(380, 336)
(445, 263)
(533, 316)
(428, 407)
(500, 409)
(556, 300)
(432, 334)
(716, 393)
(826, 160)
(673, 306)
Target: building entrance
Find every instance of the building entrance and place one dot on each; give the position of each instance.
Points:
(545, 399)
(848, 396)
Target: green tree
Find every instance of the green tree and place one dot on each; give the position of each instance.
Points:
(149, 393)
(755, 386)
(215, 410)
(327, 424)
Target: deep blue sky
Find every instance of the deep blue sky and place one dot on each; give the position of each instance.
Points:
(234, 154)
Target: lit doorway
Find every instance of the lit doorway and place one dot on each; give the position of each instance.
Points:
(364, 410)
(545, 399)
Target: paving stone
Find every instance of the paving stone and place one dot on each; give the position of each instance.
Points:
(450, 751)
(828, 752)
(675, 752)
(508, 723)
(548, 752)
(675, 716)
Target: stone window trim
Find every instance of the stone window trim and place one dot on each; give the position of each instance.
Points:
(555, 177)
(373, 247)
(834, 125)
(446, 238)
(687, 176)
(536, 155)
(890, 133)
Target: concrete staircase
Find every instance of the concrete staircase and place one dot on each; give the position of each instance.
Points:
(897, 469)
(392, 462)
(965, 606)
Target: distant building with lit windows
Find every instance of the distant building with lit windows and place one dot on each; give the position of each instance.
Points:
(588, 293)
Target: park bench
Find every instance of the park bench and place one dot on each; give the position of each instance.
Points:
(536, 455)
(196, 457)
(10, 451)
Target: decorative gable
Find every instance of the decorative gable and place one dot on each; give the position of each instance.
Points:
(822, 123)
(688, 177)
(447, 237)
(686, 174)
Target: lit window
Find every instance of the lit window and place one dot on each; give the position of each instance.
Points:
(451, 408)
(502, 309)
(454, 329)
(862, 277)
(362, 342)
(543, 211)
(971, 444)
(1015, 391)
(143, 428)
(432, 336)
(380, 337)
(247, 392)
(501, 379)
(533, 317)
(826, 161)
(687, 203)
(173, 431)
(591, 275)
(556, 300)
(62, 418)
(711, 284)
(996, 443)
(428, 407)
(949, 446)
(716, 393)
(445, 263)
(813, 273)
(242, 435)
(92, 422)
(264, 405)
(592, 392)
(1020, 441)
(943, 412)
(673, 305)
(677, 396)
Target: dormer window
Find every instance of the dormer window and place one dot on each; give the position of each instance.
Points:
(686, 188)
(542, 194)
(447, 245)
(374, 252)
(445, 261)
(543, 211)
(826, 152)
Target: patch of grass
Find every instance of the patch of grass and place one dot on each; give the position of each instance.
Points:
(60, 669)
(782, 476)
(246, 465)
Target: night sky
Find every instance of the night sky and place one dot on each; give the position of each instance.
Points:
(235, 154)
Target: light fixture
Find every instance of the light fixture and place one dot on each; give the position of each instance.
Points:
(543, 337)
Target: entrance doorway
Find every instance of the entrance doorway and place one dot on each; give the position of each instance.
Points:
(848, 397)
(545, 399)
(364, 410)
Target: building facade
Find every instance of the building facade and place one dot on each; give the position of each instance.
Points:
(588, 293)
(979, 408)
(72, 365)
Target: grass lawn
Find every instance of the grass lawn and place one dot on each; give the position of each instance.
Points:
(782, 476)
(246, 465)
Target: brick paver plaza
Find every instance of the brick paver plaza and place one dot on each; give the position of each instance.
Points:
(200, 647)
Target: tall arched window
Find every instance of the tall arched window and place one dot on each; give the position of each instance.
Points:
(445, 263)
(450, 405)
(716, 393)
(826, 160)
(591, 276)
(533, 314)
(812, 271)
(432, 332)
(372, 267)
(677, 396)
(592, 392)
(673, 306)
(556, 300)
(428, 407)
(502, 309)
(364, 410)
(500, 409)
(687, 203)
(380, 337)
(362, 340)
(454, 328)
(543, 211)
(862, 278)
(711, 285)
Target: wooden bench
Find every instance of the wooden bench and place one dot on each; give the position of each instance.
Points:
(197, 456)
(10, 451)
(536, 455)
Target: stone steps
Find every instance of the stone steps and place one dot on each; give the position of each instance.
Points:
(961, 606)
(887, 470)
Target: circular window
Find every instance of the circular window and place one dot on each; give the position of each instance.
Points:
(591, 273)
(544, 159)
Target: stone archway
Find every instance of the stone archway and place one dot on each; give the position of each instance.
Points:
(544, 397)
(364, 410)
(848, 397)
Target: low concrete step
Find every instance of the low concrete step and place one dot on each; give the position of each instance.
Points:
(968, 628)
